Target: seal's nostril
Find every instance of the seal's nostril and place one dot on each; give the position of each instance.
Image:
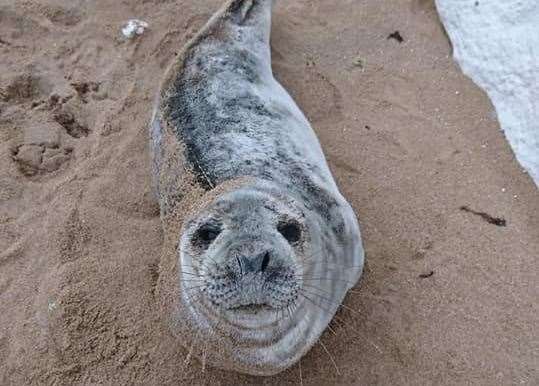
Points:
(256, 264)
(265, 262)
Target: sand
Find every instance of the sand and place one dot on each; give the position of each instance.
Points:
(447, 296)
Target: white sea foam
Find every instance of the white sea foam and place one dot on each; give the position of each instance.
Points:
(496, 43)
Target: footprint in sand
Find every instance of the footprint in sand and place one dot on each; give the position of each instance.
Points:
(71, 125)
(44, 148)
(41, 150)
(65, 16)
(21, 88)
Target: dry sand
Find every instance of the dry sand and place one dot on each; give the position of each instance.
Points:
(410, 141)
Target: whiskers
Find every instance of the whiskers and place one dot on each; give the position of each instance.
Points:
(196, 283)
(320, 298)
(286, 312)
(331, 358)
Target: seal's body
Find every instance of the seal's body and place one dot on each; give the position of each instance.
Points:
(267, 247)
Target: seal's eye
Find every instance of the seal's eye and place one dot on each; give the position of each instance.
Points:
(206, 234)
(290, 230)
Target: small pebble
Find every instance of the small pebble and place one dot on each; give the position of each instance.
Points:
(134, 27)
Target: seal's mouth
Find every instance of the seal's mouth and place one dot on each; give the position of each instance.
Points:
(252, 293)
(252, 308)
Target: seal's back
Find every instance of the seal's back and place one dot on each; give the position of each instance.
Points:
(222, 103)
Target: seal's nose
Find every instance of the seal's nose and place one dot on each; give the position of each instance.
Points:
(256, 264)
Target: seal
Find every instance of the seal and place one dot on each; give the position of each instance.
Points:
(261, 245)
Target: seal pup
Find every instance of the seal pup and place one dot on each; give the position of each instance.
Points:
(260, 247)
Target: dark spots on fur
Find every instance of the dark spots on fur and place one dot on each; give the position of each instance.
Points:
(210, 122)
(317, 199)
(249, 103)
(185, 124)
(244, 61)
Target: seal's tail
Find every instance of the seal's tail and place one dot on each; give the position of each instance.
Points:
(250, 13)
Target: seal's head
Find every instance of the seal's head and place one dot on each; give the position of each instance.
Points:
(261, 274)
(244, 253)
